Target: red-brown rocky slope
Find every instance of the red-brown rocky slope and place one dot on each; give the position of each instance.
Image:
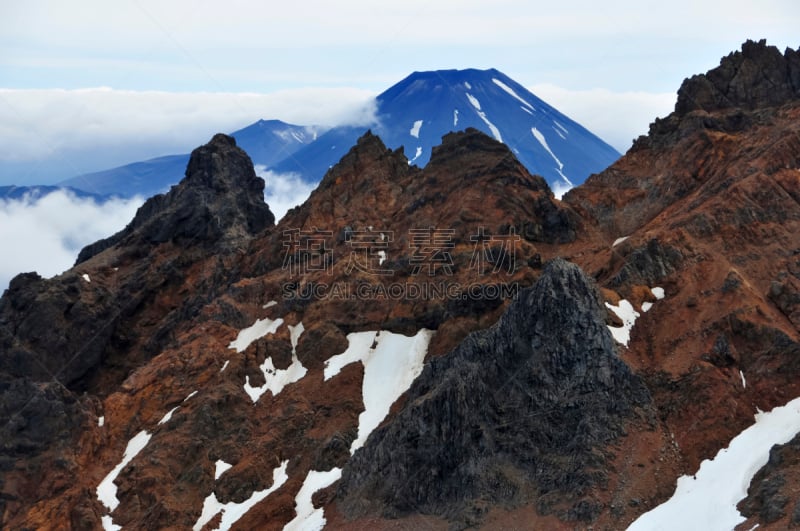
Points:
(185, 332)
(709, 204)
(154, 319)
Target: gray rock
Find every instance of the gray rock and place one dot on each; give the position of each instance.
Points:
(522, 410)
(758, 76)
(220, 201)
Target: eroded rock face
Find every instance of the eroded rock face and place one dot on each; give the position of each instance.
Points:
(525, 408)
(219, 203)
(88, 329)
(770, 497)
(758, 76)
(705, 207)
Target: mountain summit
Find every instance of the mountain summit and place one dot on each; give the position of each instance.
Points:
(419, 110)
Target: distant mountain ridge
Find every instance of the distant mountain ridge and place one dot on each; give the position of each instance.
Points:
(415, 114)
(266, 141)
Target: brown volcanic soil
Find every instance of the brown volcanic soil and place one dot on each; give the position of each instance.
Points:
(709, 201)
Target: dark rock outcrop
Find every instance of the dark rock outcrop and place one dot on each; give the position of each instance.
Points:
(648, 264)
(774, 486)
(35, 338)
(65, 327)
(756, 77)
(517, 414)
(219, 202)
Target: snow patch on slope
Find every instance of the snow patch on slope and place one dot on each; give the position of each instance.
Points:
(358, 345)
(107, 490)
(474, 101)
(231, 511)
(543, 141)
(625, 311)
(510, 91)
(308, 518)
(391, 363)
(276, 379)
(166, 418)
(493, 128)
(220, 467)
(708, 499)
(257, 330)
(415, 129)
(108, 523)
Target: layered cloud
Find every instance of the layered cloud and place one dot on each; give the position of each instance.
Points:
(45, 235)
(50, 135)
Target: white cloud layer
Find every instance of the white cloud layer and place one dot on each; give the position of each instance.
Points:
(283, 191)
(46, 235)
(76, 131)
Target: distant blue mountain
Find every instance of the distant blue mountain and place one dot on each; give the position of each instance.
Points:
(415, 113)
(146, 178)
(419, 110)
(266, 141)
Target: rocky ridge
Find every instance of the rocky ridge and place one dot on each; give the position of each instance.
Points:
(521, 410)
(146, 335)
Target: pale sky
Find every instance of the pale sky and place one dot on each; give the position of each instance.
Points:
(88, 84)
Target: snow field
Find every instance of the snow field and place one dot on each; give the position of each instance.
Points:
(391, 363)
(707, 501)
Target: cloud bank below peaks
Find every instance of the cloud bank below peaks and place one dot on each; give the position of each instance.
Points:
(45, 235)
(283, 191)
